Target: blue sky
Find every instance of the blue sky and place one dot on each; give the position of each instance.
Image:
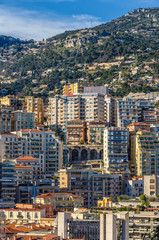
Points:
(40, 19)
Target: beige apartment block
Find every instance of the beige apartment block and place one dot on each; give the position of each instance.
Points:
(151, 185)
(127, 112)
(147, 153)
(77, 87)
(142, 225)
(110, 111)
(90, 184)
(35, 105)
(88, 107)
(22, 216)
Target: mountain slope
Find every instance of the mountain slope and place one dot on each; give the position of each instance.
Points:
(127, 43)
(144, 22)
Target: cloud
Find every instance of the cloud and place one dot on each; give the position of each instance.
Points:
(26, 24)
(85, 17)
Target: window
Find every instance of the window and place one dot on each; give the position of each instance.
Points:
(152, 181)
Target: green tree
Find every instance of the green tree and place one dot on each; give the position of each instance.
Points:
(142, 197)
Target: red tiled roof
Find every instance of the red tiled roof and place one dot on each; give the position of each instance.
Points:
(138, 124)
(12, 230)
(49, 131)
(34, 237)
(26, 158)
(7, 133)
(51, 195)
(23, 229)
(144, 131)
(22, 166)
(45, 195)
(21, 209)
(30, 130)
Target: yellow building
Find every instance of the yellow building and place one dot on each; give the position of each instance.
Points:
(105, 203)
(133, 129)
(77, 87)
(63, 179)
(35, 105)
(147, 153)
(12, 101)
(61, 201)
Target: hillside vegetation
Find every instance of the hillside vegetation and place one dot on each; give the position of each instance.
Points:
(122, 53)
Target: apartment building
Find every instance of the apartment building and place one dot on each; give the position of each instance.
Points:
(112, 226)
(25, 180)
(151, 116)
(126, 112)
(5, 118)
(87, 107)
(47, 186)
(8, 181)
(12, 101)
(134, 187)
(77, 87)
(24, 174)
(27, 161)
(60, 201)
(35, 105)
(93, 227)
(39, 144)
(97, 89)
(133, 129)
(93, 105)
(60, 109)
(145, 105)
(154, 128)
(137, 126)
(115, 149)
(2, 226)
(76, 131)
(95, 132)
(110, 111)
(8, 146)
(22, 120)
(42, 145)
(24, 215)
(90, 184)
(142, 225)
(147, 153)
(151, 185)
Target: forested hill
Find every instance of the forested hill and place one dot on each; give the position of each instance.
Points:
(123, 53)
(141, 21)
(6, 41)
